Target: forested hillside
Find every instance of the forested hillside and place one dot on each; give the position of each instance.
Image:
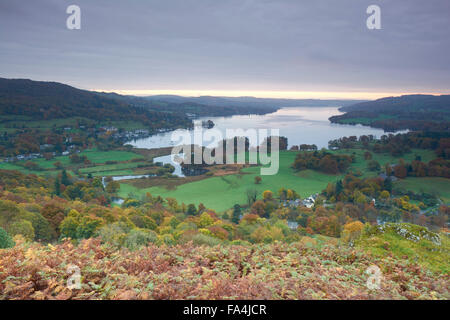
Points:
(52, 100)
(195, 107)
(414, 112)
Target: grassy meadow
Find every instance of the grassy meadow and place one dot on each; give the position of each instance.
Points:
(431, 185)
(221, 193)
(97, 158)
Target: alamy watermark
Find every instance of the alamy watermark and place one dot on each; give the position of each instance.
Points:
(373, 22)
(375, 277)
(238, 146)
(74, 281)
(73, 22)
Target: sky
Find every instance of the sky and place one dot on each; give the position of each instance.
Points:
(263, 48)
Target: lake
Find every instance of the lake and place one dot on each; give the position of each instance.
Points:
(301, 125)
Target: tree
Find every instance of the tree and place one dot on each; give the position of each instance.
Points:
(5, 240)
(54, 215)
(384, 195)
(236, 214)
(22, 227)
(112, 187)
(292, 195)
(339, 188)
(387, 185)
(252, 194)
(69, 225)
(282, 194)
(388, 169)
(267, 195)
(65, 178)
(201, 208)
(42, 229)
(259, 208)
(9, 211)
(258, 180)
(173, 204)
(400, 171)
(97, 183)
(191, 210)
(352, 231)
(205, 220)
(57, 186)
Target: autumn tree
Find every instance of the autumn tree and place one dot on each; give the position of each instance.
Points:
(267, 195)
(400, 171)
(201, 208)
(384, 195)
(54, 215)
(352, 231)
(22, 227)
(282, 194)
(112, 187)
(258, 208)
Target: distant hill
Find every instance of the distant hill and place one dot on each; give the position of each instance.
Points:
(52, 100)
(252, 102)
(414, 112)
(415, 103)
(191, 106)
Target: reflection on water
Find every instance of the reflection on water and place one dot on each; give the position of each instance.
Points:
(118, 201)
(120, 178)
(301, 125)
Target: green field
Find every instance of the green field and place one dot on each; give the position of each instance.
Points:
(98, 158)
(102, 156)
(221, 193)
(436, 186)
(111, 167)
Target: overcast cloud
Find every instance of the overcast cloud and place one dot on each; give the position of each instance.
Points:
(280, 45)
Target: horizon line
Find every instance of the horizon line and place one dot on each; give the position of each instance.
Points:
(267, 94)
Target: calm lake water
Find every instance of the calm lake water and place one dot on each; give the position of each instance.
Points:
(301, 125)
